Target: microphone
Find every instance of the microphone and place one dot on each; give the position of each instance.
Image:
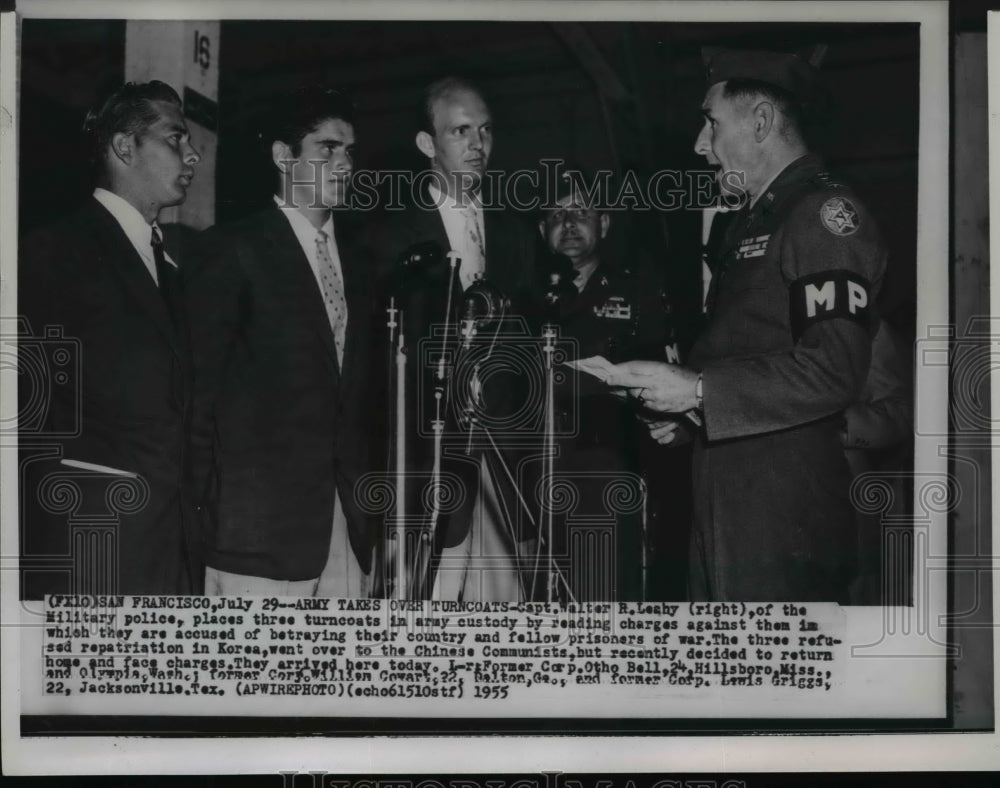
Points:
(419, 265)
(482, 302)
(468, 322)
(423, 254)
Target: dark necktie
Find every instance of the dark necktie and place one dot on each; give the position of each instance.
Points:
(166, 275)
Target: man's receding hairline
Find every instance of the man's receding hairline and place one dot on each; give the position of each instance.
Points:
(452, 90)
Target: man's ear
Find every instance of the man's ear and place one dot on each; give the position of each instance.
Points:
(281, 155)
(541, 230)
(122, 146)
(763, 120)
(605, 223)
(425, 144)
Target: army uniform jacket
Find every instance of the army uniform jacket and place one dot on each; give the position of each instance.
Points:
(785, 351)
(620, 315)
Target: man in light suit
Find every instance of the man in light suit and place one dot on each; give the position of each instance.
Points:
(279, 320)
(447, 210)
(118, 434)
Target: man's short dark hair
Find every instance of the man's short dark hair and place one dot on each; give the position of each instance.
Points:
(804, 118)
(301, 111)
(128, 110)
(787, 104)
(437, 89)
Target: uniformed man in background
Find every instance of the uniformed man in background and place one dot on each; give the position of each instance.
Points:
(786, 349)
(617, 310)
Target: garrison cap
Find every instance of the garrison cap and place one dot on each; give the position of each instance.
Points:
(573, 175)
(567, 177)
(781, 69)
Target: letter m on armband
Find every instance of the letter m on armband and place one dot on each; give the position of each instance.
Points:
(826, 296)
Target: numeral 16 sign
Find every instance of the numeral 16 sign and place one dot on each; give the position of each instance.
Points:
(202, 49)
(201, 69)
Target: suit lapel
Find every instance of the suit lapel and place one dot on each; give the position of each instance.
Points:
(503, 248)
(427, 225)
(493, 228)
(127, 263)
(355, 293)
(289, 257)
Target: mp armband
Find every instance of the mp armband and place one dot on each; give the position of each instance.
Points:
(826, 296)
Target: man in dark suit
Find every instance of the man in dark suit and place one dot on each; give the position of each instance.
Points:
(279, 321)
(103, 497)
(446, 210)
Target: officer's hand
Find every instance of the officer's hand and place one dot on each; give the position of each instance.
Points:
(659, 387)
(672, 432)
(664, 432)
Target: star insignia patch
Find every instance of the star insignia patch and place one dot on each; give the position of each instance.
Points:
(839, 216)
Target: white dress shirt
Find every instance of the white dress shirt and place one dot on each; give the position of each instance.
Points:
(138, 230)
(460, 235)
(306, 235)
(305, 232)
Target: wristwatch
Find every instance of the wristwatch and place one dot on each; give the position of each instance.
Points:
(698, 392)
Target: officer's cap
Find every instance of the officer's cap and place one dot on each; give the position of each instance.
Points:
(559, 179)
(571, 178)
(781, 69)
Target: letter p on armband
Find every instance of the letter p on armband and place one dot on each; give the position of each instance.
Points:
(857, 297)
(828, 295)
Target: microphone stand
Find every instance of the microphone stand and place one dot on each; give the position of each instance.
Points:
(553, 298)
(400, 526)
(389, 564)
(549, 333)
(420, 571)
(555, 575)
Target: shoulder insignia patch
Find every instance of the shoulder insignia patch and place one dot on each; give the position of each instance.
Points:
(839, 216)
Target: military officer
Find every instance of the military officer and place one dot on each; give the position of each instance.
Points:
(785, 351)
(602, 308)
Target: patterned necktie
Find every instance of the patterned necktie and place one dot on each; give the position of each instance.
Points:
(333, 293)
(166, 276)
(474, 263)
